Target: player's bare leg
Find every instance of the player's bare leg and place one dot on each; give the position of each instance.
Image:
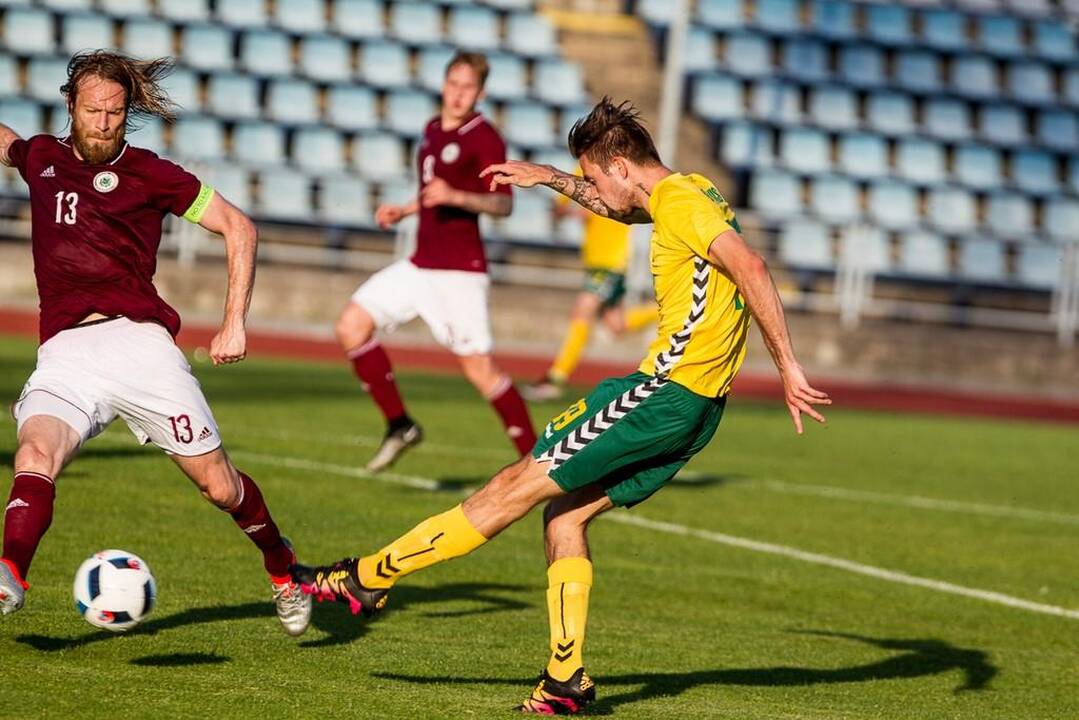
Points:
(46, 445)
(237, 494)
(355, 330)
(497, 387)
(552, 385)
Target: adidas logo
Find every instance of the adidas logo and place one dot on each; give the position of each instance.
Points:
(206, 433)
(251, 529)
(16, 503)
(48, 172)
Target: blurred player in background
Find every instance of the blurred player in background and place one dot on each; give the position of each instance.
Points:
(445, 281)
(605, 255)
(107, 347)
(631, 435)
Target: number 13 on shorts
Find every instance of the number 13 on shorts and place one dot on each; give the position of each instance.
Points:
(559, 422)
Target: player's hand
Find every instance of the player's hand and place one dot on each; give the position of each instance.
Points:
(229, 345)
(438, 192)
(801, 396)
(517, 172)
(389, 215)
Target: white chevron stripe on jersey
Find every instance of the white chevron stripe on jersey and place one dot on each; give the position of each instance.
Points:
(666, 360)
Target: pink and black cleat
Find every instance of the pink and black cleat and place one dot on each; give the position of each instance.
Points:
(560, 697)
(340, 582)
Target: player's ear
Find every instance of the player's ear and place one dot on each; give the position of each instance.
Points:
(620, 166)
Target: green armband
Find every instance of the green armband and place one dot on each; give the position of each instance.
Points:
(202, 201)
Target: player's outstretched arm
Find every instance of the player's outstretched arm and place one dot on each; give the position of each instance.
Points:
(7, 136)
(389, 214)
(241, 244)
(750, 274)
(438, 192)
(580, 190)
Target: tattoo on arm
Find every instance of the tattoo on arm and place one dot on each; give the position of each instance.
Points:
(583, 192)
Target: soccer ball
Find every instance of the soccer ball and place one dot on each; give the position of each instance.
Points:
(114, 590)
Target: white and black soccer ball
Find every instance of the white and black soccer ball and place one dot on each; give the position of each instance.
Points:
(114, 590)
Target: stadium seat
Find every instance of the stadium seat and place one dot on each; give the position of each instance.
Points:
(64, 6)
(266, 52)
(379, 155)
(397, 190)
(978, 167)
(352, 107)
(746, 145)
(834, 199)
(558, 157)
(893, 204)
(28, 31)
(1000, 35)
(863, 155)
(1073, 174)
(1061, 219)
(917, 71)
(1031, 8)
(982, 260)
(318, 149)
(1058, 130)
(806, 244)
(835, 108)
(416, 23)
(182, 86)
(747, 55)
(919, 161)
(1070, 87)
(944, 30)
(974, 76)
(59, 120)
(85, 32)
(125, 8)
(1039, 266)
(258, 144)
(1035, 172)
(890, 113)
(1053, 41)
(531, 35)
(300, 16)
(558, 82)
(833, 19)
(9, 77)
(231, 96)
(805, 59)
(384, 64)
(184, 11)
(951, 210)
(361, 19)
(291, 102)
(198, 138)
(45, 77)
(567, 116)
(805, 151)
(528, 125)
(148, 133)
(867, 245)
(506, 4)
(775, 194)
(147, 38)
(946, 119)
(1009, 215)
(23, 116)
(923, 254)
(232, 181)
(531, 220)
(700, 52)
(242, 13)
(888, 24)
(656, 12)
(506, 80)
(473, 27)
(284, 195)
(432, 67)
(861, 65)
(207, 47)
(407, 111)
(777, 16)
(776, 102)
(325, 58)
(1002, 125)
(345, 200)
(1030, 82)
(717, 14)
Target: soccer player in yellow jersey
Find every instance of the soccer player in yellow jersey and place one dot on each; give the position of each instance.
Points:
(626, 439)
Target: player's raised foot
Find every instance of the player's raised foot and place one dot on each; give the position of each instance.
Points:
(543, 389)
(554, 697)
(397, 440)
(12, 590)
(293, 604)
(340, 582)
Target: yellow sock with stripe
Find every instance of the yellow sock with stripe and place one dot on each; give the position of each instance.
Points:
(570, 353)
(438, 538)
(641, 316)
(569, 581)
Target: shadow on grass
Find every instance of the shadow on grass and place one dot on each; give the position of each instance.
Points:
(694, 479)
(180, 660)
(916, 658)
(7, 457)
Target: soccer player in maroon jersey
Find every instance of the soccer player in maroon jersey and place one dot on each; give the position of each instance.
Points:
(107, 347)
(445, 281)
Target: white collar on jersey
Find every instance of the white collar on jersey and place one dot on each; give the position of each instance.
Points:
(470, 124)
(63, 141)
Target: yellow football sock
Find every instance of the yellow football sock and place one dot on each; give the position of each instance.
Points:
(641, 316)
(569, 581)
(570, 353)
(438, 538)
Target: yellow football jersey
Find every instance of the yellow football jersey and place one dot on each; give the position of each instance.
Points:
(703, 321)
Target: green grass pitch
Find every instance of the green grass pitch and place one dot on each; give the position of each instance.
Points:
(679, 627)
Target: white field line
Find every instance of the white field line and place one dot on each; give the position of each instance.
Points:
(721, 538)
(372, 441)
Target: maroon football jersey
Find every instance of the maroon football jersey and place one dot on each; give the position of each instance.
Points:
(448, 237)
(96, 229)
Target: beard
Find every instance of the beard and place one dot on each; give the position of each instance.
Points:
(94, 147)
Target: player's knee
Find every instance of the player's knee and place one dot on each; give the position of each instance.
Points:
(353, 327)
(33, 456)
(221, 486)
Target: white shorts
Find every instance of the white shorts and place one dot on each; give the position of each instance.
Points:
(87, 376)
(453, 303)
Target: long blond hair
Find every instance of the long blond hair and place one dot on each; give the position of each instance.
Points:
(140, 79)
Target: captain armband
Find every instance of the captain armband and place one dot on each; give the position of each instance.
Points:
(198, 207)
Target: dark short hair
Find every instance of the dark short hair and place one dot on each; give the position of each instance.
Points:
(140, 79)
(476, 61)
(611, 131)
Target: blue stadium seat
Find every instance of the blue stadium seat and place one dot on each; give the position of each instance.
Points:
(700, 52)
(64, 6)
(360, 19)
(506, 80)
(266, 52)
(231, 96)
(919, 161)
(558, 82)
(1030, 82)
(1003, 125)
(1073, 174)
(748, 55)
(318, 149)
(242, 13)
(1000, 35)
(398, 190)
(747, 145)
(380, 156)
(1053, 41)
(863, 155)
(1009, 215)
(505, 4)
(974, 76)
(833, 107)
(384, 64)
(1061, 219)
(182, 85)
(805, 59)
(805, 151)
(22, 116)
(1031, 8)
(861, 65)
(869, 245)
(656, 12)
(944, 30)
(806, 244)
(45, 77)
(474, 27)
(345, 200)
(59, 120)
(775, 194)
(300, 16)
(531, 220)
(407, 111)
(148, 133)
(232, 181)
(9, 77)
(125, 8)
(777, 16)
(1070, 87)
(293, 102)
(258, 143)
(416, 23)
(531, 35)
(1038, 266)
(351, 107)
(28, 31)
(284, 195)
(888, 24)
(185, 11)
(207, 47)
(947, 119)
(776, 102)
(1058, 130)
(917, 70)
(951, 210)
(923, 254)
(833, 19)
(432, 67)
(1035, 172)
(978, 167)
(982, 260)
(893, 204)
(558, 157)
(325, 58)
(147, 38)
(717, 14)
(528, 125)
(834, 199)
(198, 137)
(890, 113)
(85, 32)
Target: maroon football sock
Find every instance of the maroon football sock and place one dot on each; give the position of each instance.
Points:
(372, 366)
(511, 408)
(253, 517)
(28, 516)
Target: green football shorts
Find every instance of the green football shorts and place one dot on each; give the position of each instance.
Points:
(631, 435)
(607, 285)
